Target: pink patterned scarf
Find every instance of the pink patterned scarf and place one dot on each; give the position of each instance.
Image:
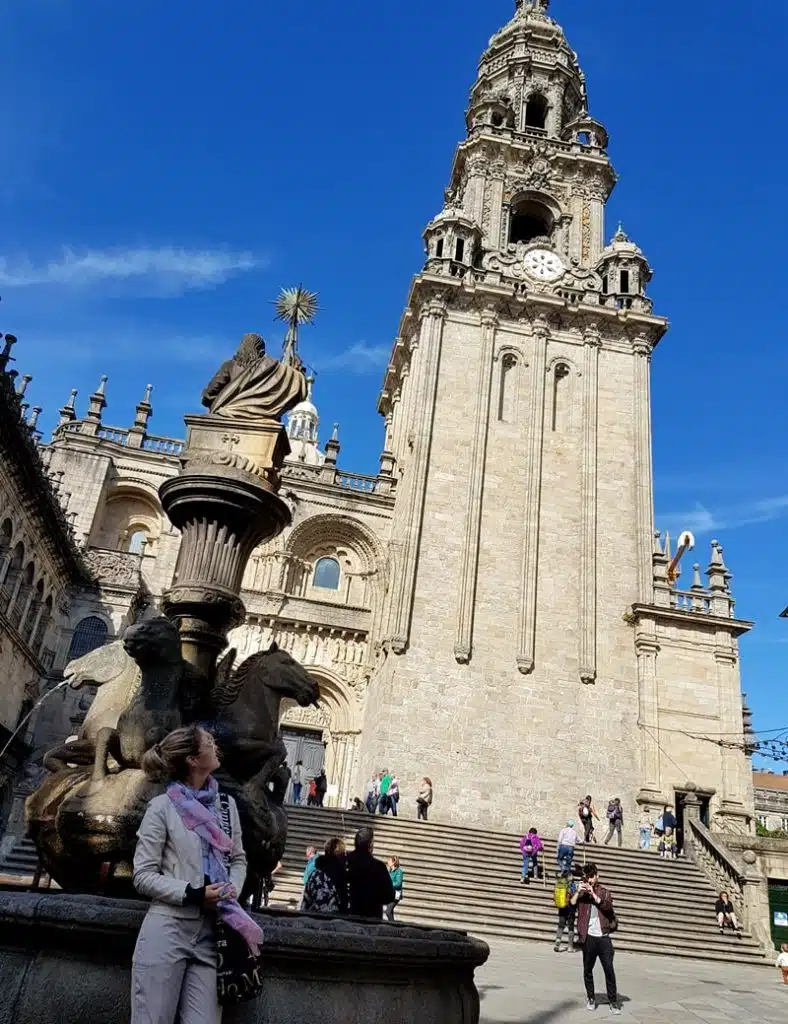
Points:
(199, 813)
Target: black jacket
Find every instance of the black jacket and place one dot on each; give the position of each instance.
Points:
(369, 885)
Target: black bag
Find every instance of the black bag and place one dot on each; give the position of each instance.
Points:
(239, 974)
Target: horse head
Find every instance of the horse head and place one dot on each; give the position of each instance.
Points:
(268, 673)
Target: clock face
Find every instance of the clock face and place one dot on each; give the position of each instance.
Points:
(543, 264)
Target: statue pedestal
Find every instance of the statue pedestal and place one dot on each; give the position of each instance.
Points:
(67, 959)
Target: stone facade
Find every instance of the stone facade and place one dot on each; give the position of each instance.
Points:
(494, 608)
(40, 570)
(771, 801)
(317, 590)
(532, 649)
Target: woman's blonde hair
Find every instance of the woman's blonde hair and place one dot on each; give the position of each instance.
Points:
(168, 760)
(394, 861)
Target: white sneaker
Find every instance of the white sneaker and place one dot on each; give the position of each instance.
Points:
(615, 1009)
(591, 1004)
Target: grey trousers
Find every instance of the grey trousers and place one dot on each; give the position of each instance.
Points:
(174, 972)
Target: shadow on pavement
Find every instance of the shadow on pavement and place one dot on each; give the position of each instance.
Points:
(543, 1017)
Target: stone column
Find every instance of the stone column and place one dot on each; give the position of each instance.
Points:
(526, 637)
(596, 224)
(647, 648)
(588, 505)
(755, 896)
(433, 317)
(644, 521)
(495, 239)
(731, 724)
(473, 513)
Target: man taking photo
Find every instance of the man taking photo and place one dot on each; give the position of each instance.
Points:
(596, 921)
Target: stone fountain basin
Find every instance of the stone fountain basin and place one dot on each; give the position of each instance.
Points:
(66, 959)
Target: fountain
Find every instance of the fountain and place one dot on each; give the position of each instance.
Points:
(66, 956)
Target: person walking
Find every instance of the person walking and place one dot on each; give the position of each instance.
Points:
(782, 962)
(321, 785)
(326, 890)
(530, 847)
(596, 921)
(297, 778)
(567, 841)
(726, 914)
(424, 799)
(397, 877)
(394, 795)
(192, 869)
(563, 891)
(615, 820)
(311, 793)
(372, 793)
(586, 812)
(369, 884)
(644, 828)
(383, 789)
(667, 845)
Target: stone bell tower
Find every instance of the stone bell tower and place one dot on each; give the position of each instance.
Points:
(517, 408)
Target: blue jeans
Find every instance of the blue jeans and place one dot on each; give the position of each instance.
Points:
(645, 838)
(566, 855)
(528, 860)
(297, 792)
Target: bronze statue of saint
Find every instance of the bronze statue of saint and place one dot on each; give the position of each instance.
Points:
(252, 385)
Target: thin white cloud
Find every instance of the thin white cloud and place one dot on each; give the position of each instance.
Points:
(358, 358)
(167, 270)
(703, 521)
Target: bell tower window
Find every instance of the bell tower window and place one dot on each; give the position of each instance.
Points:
(459, 252)
(530, 220)
(536, 112)
(439, 248)
(625, 282)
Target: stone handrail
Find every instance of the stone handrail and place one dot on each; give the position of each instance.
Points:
(716, 863)
(691, 601)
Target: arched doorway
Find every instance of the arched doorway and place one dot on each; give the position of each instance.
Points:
(330, 729)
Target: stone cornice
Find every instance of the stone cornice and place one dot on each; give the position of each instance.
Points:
(517, 310)
(22, 461)
(693, 620)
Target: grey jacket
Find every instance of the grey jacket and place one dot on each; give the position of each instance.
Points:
(169, 857)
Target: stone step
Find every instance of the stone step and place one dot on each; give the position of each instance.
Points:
(21, 859)
(468, 878)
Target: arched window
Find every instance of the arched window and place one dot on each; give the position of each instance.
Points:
(11, 576)
(439, 248)
(536, 111)
(22, 595)
(530, 220)
(43, 623)
(90, 633)
(560, 396)
(6, 532)
(32, 612)
(137, 541)
(326, 574)
(507, 396)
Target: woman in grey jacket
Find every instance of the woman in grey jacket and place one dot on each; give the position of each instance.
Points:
(192, 871)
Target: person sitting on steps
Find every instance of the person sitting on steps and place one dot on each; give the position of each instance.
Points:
(726, 914)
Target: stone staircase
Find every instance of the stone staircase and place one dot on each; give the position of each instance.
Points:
(469, 878)
(21, 860)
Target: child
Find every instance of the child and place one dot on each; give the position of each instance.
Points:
(565, 889)
(667, 845)
(530, 847)
(397, 880)
(782, 962)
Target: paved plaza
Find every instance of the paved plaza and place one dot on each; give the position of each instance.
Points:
(526, 983)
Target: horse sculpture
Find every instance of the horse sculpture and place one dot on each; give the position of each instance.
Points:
(117, 677)
(254, 767)
(85, 821)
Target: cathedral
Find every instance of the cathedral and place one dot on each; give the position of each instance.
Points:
(494, 608)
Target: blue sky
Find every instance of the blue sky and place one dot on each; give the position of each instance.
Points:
(167, 168)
